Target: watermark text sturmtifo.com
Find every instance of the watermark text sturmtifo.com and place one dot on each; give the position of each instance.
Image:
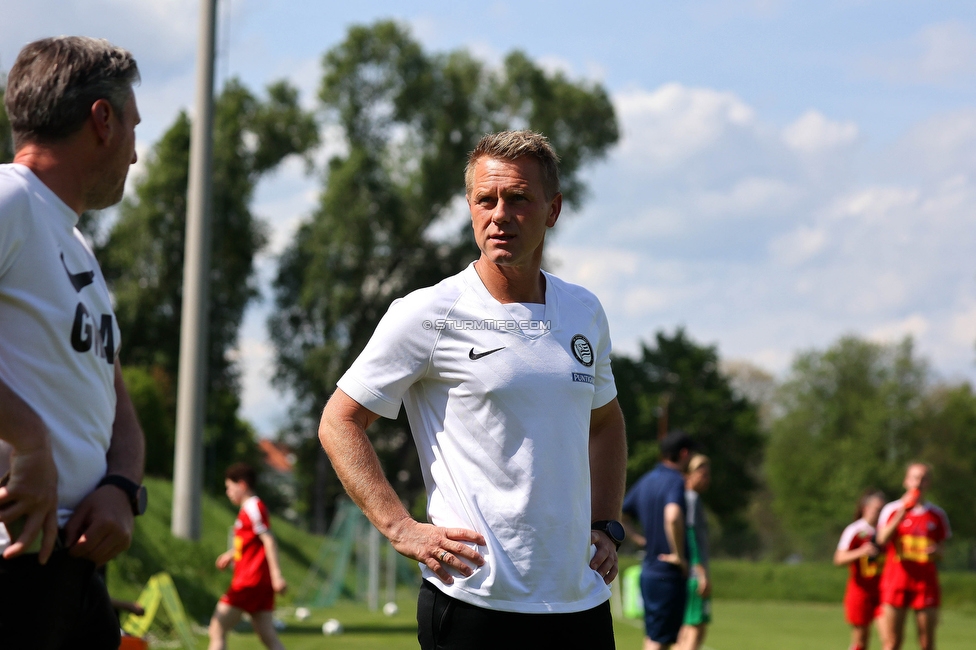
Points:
(486, 324)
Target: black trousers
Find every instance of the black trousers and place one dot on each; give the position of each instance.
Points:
(445, 623)
(61, 605)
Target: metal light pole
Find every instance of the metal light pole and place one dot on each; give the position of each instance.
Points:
(188, 462)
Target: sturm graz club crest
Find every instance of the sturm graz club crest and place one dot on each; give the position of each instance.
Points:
(582, 350)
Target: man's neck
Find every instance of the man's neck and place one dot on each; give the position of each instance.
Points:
(58, 170)
(509, 284)
(671, 464)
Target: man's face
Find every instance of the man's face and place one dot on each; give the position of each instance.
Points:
(120, 155)
(917, 477)
(509, 210)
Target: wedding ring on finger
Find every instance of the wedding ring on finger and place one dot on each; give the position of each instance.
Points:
(443, 555)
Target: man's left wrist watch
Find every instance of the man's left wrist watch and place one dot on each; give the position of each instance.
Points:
(613, 529)
(136, 493)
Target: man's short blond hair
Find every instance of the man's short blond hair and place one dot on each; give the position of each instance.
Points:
(511, 145)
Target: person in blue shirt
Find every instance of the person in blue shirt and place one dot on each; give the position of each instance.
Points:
(657, 501)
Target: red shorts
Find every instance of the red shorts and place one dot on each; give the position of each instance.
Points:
(259, 598)
(913, 594)
(861, 607)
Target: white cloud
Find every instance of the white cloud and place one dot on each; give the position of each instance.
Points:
(963, 327)
(721, 222)
(916, 326)
(812, 132)
(748, 197)
(874, 204)
(642, 301)
(157, 32)
(943, 54)
(669, 125)
(798, 246)
(942, 145)
(948, 50)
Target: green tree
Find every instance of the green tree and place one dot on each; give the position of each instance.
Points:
(678, 379)
(407, 120)
(142, 257)
(849, 420)
(947, 432)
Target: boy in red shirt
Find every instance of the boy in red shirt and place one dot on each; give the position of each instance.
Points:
(915, 532)
(257, 574)
(862, 600)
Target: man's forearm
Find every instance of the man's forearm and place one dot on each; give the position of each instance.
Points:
(271, 553)
(342, 433)
(674, 529)
(127, 452)
(608, 462)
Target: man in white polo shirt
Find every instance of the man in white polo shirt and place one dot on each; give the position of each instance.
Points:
(72, 449)
(504, 372)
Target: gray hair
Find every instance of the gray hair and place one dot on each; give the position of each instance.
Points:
(509, 145)
(54, 82)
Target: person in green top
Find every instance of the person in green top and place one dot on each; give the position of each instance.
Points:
(698, 610)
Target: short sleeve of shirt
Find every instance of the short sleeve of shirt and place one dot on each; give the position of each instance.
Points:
(676, 494)
(15, 225)
(254, 509)
(847, 537)
(887, 512)
(396, 356)
(604, 387)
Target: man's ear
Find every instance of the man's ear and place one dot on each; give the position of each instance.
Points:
(555, 207)
(103, 119)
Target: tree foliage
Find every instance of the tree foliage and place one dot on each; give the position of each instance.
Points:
(849, 421)
(683, 377)
(947, 437)
(142, 257)
(407, 121)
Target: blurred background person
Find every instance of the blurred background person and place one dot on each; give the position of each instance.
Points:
(857, 549)
(657, 502)
(915, 532)
(698, 610)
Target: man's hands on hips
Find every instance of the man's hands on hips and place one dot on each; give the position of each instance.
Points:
(604, 560)
(438, 548)
(676, 560)
(101, 526)
(31, 495)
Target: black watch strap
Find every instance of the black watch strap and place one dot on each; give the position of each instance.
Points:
(136, 493)
(613, 528)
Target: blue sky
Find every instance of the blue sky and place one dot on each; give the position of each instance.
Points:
(789, 171)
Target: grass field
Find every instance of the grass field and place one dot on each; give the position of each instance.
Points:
(739, 625)
(758, 605)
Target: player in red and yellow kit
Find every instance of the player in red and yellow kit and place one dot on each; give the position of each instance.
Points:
(914, 532)
(257, 574)
(857, 550)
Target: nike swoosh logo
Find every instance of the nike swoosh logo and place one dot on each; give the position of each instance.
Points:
(474, 356)
(78, 280)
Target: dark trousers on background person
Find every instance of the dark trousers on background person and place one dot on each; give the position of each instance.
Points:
(445, 623)
(62, 605)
